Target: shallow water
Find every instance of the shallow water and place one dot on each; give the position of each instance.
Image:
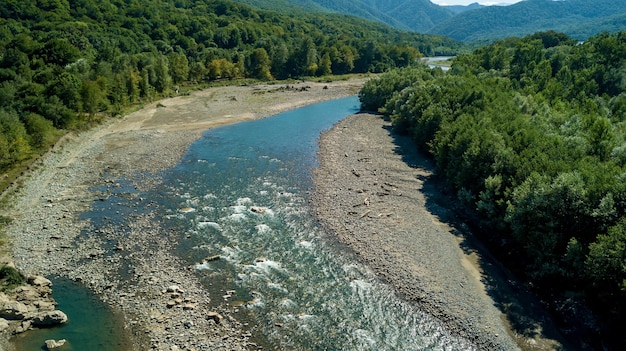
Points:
(91, 323)
(241, 193)
(240, 197)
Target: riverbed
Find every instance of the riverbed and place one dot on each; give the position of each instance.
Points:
(130, 211)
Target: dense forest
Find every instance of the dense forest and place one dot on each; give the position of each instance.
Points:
(63, 63)
(414, 15)
(530, 135)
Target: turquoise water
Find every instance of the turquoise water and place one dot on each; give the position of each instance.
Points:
(91, 324)
(241, 192)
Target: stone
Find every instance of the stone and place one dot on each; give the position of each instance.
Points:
(13, 310)
(4, 325)
(39, 281)
(54, 344)
(27, 293)
(174, 289)
(215, 317)
(26, 325)
(50, 318)
(257, 209)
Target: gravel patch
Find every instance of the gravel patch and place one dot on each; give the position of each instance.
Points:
(369, 191)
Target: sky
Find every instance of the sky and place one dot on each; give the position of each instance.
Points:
(467, 2)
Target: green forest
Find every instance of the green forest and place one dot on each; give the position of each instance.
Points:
(67, 63)
(530, 135)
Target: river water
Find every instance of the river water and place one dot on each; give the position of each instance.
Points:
(241, 193)
(240, 196)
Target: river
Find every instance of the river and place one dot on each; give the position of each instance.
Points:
(241, 193)
(239, 200)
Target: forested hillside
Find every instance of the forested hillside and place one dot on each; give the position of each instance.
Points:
(530, 135)
(414, 15)
(65, 62)
(579, 19)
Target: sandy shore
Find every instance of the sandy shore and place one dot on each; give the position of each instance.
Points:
(48, 236)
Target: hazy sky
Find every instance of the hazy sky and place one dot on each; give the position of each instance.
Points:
(467, 2)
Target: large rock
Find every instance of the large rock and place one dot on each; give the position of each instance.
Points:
(39, 281)
(27, 294)
(47, 319)
(13, 310)
(4, 325)
(53, 344)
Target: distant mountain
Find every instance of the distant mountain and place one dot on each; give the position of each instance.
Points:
(577, 18)
(456, 9)
(412, 15)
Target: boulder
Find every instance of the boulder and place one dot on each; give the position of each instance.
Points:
(50, 318)
(4, 325)
(26, 325)
(53, 344)
(13, 310)
(39, 281)
(27, 294)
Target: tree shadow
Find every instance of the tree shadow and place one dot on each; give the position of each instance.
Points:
(530, 322)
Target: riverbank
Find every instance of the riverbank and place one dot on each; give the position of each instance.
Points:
(379, 196)
(131, 267)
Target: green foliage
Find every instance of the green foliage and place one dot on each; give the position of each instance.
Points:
(64, 62)
(10, 278)
(416, 15)
(606, 262)
(531, 134)
(14, 144)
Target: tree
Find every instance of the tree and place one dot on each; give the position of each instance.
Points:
(178, 67)
(260, 64)
(93, 97)
(59, 51)
(606, 262)
(15, 139)
(40, 130)
(161, 74)
(324, 68)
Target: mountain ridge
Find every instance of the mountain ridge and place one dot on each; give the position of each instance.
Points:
(579, 19)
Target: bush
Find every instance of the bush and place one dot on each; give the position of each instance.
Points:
(10, 278)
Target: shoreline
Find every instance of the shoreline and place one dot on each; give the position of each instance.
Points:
(380, 197)
(161, 300)
(49, 237)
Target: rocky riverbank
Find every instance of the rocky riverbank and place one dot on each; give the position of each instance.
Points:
(131, 265)
(377, 194)
(29, 306)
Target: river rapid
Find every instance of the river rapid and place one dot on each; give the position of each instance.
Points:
(238, 203)
(239, 199)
